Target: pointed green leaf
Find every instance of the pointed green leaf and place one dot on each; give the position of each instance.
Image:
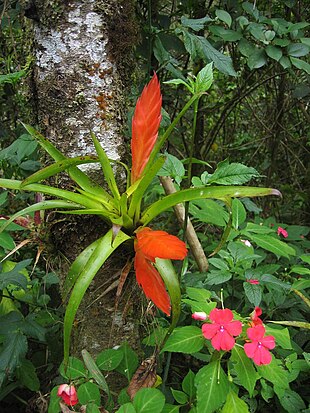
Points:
(149, 401)
(109, 359)
(89, 392)
(129, 362)
(195, 24)
(301, 64)
(14, 349)
(27, 375)
(215, 192)
(188, 340)
(281, 335)
(234, 404)
(292, 402)
(244, 368)
(273, 245)
(253, 293)
(212, 387)
(188, 385)
(275, 374)
(74, 370)
(238, 213)
(100, 254)
(224, 16)
(204, 78)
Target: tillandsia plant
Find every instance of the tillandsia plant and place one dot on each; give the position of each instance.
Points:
(124, 211)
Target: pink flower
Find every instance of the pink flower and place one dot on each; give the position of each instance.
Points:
(222, 329)
(68, 394)
(199, 315)
(246, 242)
(258, 349)
(255, 316)
(251, 281)
(283, 232)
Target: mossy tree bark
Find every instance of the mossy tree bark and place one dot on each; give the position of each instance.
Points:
(81, 73)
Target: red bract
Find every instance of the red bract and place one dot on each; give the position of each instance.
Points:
(145, 125)
(255, 316)
(283, 232)
(150, 245)
(222, 331)
(68, 394)
(258, 348)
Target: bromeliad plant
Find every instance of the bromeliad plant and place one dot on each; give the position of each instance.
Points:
(124, 211)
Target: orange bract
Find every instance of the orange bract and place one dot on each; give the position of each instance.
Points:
(145, 124)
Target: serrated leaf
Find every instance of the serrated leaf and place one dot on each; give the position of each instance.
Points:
(212, 387)
(219, 263)
(234, 404)
(271, 279)
(209, 211)
(232, 174)
(224, 16)
(253, 293)
(186, 340)
(244, 368)
(172, 167)
(238, 213)
(195, 24)
(273, 245)
(218, 277)
(149, 401)
(204, 78)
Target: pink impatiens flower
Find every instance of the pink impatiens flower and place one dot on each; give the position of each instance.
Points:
(199, 315)
(283, 232)
(258, 348)
(251, 281)
(68, 394)
(255, 316)
(222, 330)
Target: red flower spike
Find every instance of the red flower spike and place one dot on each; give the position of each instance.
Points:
(151, 282)
(223, 329)
(68, 394)
(160, 244)
(257, 350)
(145, 125)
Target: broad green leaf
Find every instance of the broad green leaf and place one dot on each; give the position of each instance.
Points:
(244, 368)
(103, 250)
(212, 387)
(269, 35)
(6, 241)
(253, 293)
(188, 385)
(292, 402)
(273, 245)
(129, 362)
(172, 167)
(195, 24)
(224, 16)
(89, 392)
(285, 62)
(301, 64)
(186, 340)
(274, 52)
(274, 373)
(215, 192)
(109, 359)
(58, 167)
(266, 390)
(232, 174)
(13, 352)
(225, 34)
(281, 335)
(297, 49)
(54, 406)
(179, 396)
(74, 370)
(271, 279)
(218, 277)
(257, 229)
(234, 404)
(257, 59)
(149, 400)
(301, 284)
(198, 294)
(204, 78)
(92, 408)
(171, 408)
(127, 408)
(200, 305)
(27, 375)
(106, 167)
(246, 48)
(305, 258)
(219, 263)
(238, 213)
(198, 46)
(209, 211)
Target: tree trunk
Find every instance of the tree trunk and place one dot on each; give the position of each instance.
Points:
(80, 85)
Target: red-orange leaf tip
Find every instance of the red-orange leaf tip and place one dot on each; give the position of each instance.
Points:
(160, 244)
(145, 125)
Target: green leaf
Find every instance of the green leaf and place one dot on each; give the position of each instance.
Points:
(172, 167)
(244, 368)
(186, 340)
(301, 64)
(257, 59)
(103, 250)
(204, 78)
(209, 211)
(109, 359)
(75, 369)
(274, 52)
(273, 245)
(129, 362)
(300, 270)
(199, 305)
(301, 284)
(212, 387)
(12, 77)
(292, 402)
(92, 408)
(285, 62)
(271, 279)
(195, 24)
(234, 404)
(149, 401)
(54, 406)
(274, 373)
(179, 396)
(219, 263)
(27, 375)
(215, 192)
(198, 294)
(225, 34)
(257, 229)
(232, 174)
(246, 48)
(297, 49)
(238, 213)
(253, 293)
(188, 385)
(127, 408)
(13, 352)
(281, 335)
(305, 258)
(224, 16)
(198, 46)
(218, 277)
(171, 408)
(89, 392)
(6, 241)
